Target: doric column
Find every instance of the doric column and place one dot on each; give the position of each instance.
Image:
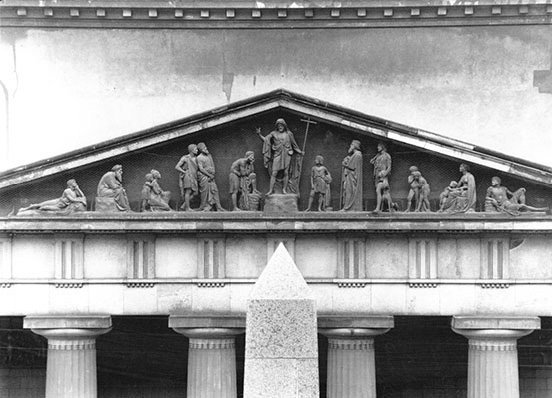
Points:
(71, 365)
(492, 356)
(211, 354)
(351, 357)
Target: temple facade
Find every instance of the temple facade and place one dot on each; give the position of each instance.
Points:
(211, 134)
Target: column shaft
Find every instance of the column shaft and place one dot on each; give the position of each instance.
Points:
(492, 357)
(351, 368)
(71, 368)
(71, 364)
(493, 369)
(351, 359)
(212, 368)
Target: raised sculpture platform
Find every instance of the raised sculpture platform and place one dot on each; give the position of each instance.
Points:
(281, 204)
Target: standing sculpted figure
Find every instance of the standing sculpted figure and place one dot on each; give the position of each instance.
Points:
(352, 179)
(187, 166)
(208, 189)
(463, 197)
(243, 184)
(419, 191)
(497, 200)
(111, 195)
(278, 147)
(320, 184)
(382, 169)
(72, 200)
(154, 199)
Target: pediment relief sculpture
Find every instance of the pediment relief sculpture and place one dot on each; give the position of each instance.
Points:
(461, 198)
(320, 184)
(154, 199)
(208, 190)
(243, 184)
(382, 172)
(72, 200)
(111, 196)
(279, 146)
(187, 166)
(419, 192)
(351, 179)
(500, 199)
(403, 164)
(197, 178)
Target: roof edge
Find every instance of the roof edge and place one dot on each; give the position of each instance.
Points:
(254, 105)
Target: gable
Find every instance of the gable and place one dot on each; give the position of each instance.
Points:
(230, 131)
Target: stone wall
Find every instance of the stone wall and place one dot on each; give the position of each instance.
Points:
(22, 383)
(67, 88)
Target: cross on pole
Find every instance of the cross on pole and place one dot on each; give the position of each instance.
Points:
(309, 122)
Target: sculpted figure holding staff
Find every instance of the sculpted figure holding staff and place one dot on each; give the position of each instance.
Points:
(278, 147)
(382, 169)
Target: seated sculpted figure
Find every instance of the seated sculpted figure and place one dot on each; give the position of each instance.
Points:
(448, 195)
(71, 201)
(111, 196)
(243, 184)
(497, 200)
(462, 199)
(154, 199)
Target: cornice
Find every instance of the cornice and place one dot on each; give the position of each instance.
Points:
(363, 223)
(272, 15)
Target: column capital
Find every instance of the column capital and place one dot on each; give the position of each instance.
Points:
(353, 321)
(67, 322)
(352, 333)
(495, 322)
(492, 335)
(207, 327)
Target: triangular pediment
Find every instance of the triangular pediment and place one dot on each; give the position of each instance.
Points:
(229, 131)
(348, 119)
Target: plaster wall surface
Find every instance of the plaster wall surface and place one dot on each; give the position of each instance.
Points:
(67, 88)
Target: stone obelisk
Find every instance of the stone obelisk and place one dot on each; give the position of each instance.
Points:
(281, 346)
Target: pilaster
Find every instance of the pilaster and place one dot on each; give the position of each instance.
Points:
(492, 358)
(71, 365)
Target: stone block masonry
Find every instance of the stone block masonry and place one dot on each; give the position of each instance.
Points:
(281, 349)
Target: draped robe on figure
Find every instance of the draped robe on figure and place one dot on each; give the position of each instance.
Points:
(352, 183)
